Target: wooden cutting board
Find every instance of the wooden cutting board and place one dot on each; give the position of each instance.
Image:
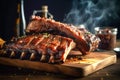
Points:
(77, 68)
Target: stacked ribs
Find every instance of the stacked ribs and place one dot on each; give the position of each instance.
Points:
(43, 47)
(51, 41)
(85, 40)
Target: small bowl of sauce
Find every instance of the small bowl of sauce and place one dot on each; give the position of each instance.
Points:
(117, 50)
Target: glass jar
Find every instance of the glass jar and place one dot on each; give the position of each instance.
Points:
(107, 36)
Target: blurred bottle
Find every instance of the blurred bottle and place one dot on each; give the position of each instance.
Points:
(20, 20)
(23, 21)
(43, 12)
(17, 27)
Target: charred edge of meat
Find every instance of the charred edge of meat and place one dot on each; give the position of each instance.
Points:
(40, 47)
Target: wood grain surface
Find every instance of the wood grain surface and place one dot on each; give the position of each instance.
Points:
(77, 68)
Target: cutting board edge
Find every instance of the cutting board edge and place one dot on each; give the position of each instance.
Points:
(113, 60)
(67, 70)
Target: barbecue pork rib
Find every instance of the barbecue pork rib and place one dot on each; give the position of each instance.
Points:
(41, 47)
(84, 40)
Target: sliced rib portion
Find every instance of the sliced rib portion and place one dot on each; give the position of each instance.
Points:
(43, 47)
(39, 25)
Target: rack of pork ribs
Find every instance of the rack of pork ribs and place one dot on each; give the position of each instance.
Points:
(50, 41)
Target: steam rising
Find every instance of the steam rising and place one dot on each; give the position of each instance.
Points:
(91, 13)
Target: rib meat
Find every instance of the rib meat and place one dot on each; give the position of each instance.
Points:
(43, 47)
(85, 40)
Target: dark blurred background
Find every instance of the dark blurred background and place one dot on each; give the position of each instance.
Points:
(62, 10)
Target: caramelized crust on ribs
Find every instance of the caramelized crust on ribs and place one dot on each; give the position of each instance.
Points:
(85, 41)
(44, 47)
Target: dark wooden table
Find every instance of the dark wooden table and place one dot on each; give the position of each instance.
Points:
(111, 72)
